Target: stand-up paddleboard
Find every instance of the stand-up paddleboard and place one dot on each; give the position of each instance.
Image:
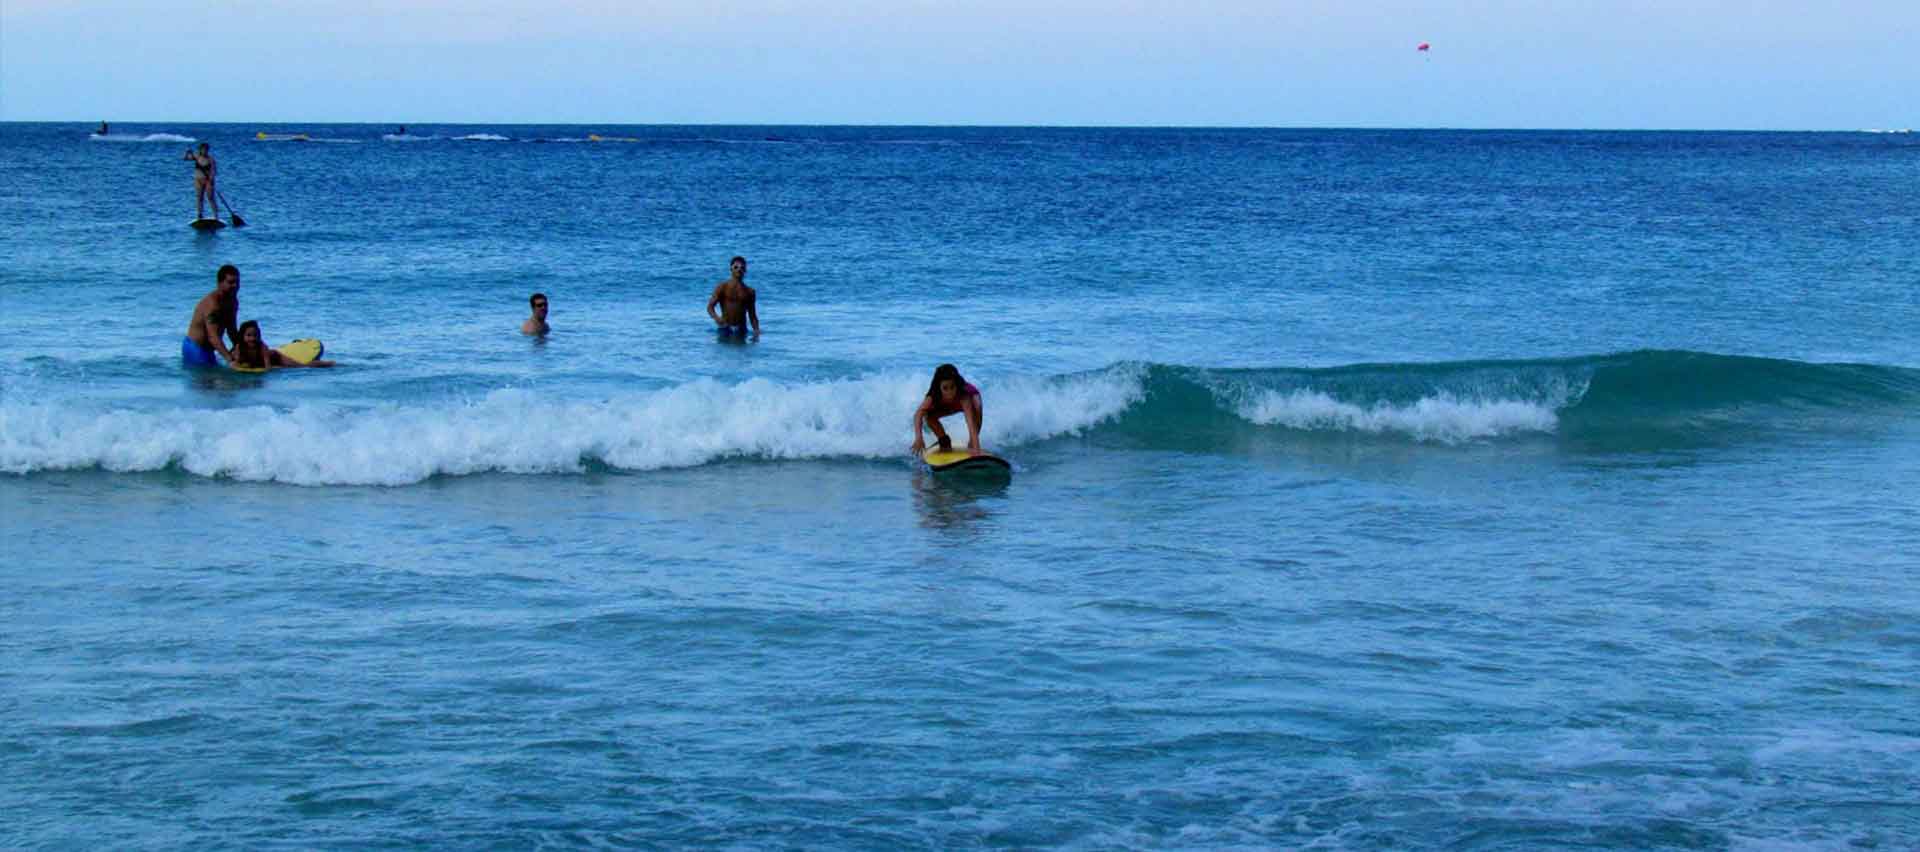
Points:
(957, 461)
(207, 224)
(301, 351)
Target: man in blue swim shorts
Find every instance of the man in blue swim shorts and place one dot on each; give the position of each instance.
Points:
(214, 322)
(736, 303)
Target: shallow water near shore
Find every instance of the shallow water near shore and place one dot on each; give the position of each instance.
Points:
(1372, 490)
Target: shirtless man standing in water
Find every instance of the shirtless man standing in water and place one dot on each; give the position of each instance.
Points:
(204, 169)
(214, 318)
(736, 302)
(536, 325)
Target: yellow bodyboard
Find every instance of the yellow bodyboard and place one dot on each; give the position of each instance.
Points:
(938, 460)
(303, 350)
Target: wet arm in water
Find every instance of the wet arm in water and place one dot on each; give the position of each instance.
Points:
(216, 337)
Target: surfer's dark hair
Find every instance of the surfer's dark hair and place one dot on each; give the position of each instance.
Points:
(537, 297)
(257, 355)
(217, 276)
(941, 374)
(738, 258)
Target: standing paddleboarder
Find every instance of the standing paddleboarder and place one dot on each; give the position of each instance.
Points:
(204, 170)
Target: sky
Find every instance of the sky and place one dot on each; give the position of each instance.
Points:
(1708, 64)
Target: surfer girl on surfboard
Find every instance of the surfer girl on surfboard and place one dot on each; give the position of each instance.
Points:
(204, 169)
(255, 355)
(949, 394)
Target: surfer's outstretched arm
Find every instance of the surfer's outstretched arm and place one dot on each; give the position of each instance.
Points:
(919, 425)
(976, 412)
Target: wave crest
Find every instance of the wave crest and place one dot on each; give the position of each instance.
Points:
(141, 137)
(524, 431)
(1443, 418)
(1622, 402)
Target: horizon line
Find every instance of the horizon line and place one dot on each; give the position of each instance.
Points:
(970, 126)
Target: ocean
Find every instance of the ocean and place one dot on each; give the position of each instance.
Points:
(1373, 489)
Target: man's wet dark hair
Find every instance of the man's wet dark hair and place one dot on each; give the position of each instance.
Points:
(222, 274)
(537, 297)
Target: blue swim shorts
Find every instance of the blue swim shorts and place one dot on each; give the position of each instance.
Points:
(194, 355)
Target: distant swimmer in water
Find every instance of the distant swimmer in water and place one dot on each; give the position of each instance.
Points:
(949, 394)
(536, 325)
(250, 352)
(204, 171)
(736, 302)
(103, 129)
(214, 318)
(402, 131)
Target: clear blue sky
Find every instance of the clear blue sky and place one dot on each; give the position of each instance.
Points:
(1757, 64)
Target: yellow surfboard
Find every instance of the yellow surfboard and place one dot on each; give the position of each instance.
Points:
(301, 351)
(956, 460)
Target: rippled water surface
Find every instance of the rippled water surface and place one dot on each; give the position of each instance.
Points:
(1372, 490)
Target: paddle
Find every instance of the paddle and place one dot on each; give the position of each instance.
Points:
(237, 221)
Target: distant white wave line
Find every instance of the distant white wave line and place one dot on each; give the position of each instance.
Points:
(136, 137)
(1443, 417)
(522, 431)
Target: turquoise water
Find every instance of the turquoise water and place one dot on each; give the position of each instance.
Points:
(1374, 489)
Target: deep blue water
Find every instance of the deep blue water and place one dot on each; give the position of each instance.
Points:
(1373, 490)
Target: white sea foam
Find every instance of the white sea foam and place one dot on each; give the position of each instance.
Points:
(1442, 417)
(141, 137)
(521, 431)
(484, 137)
